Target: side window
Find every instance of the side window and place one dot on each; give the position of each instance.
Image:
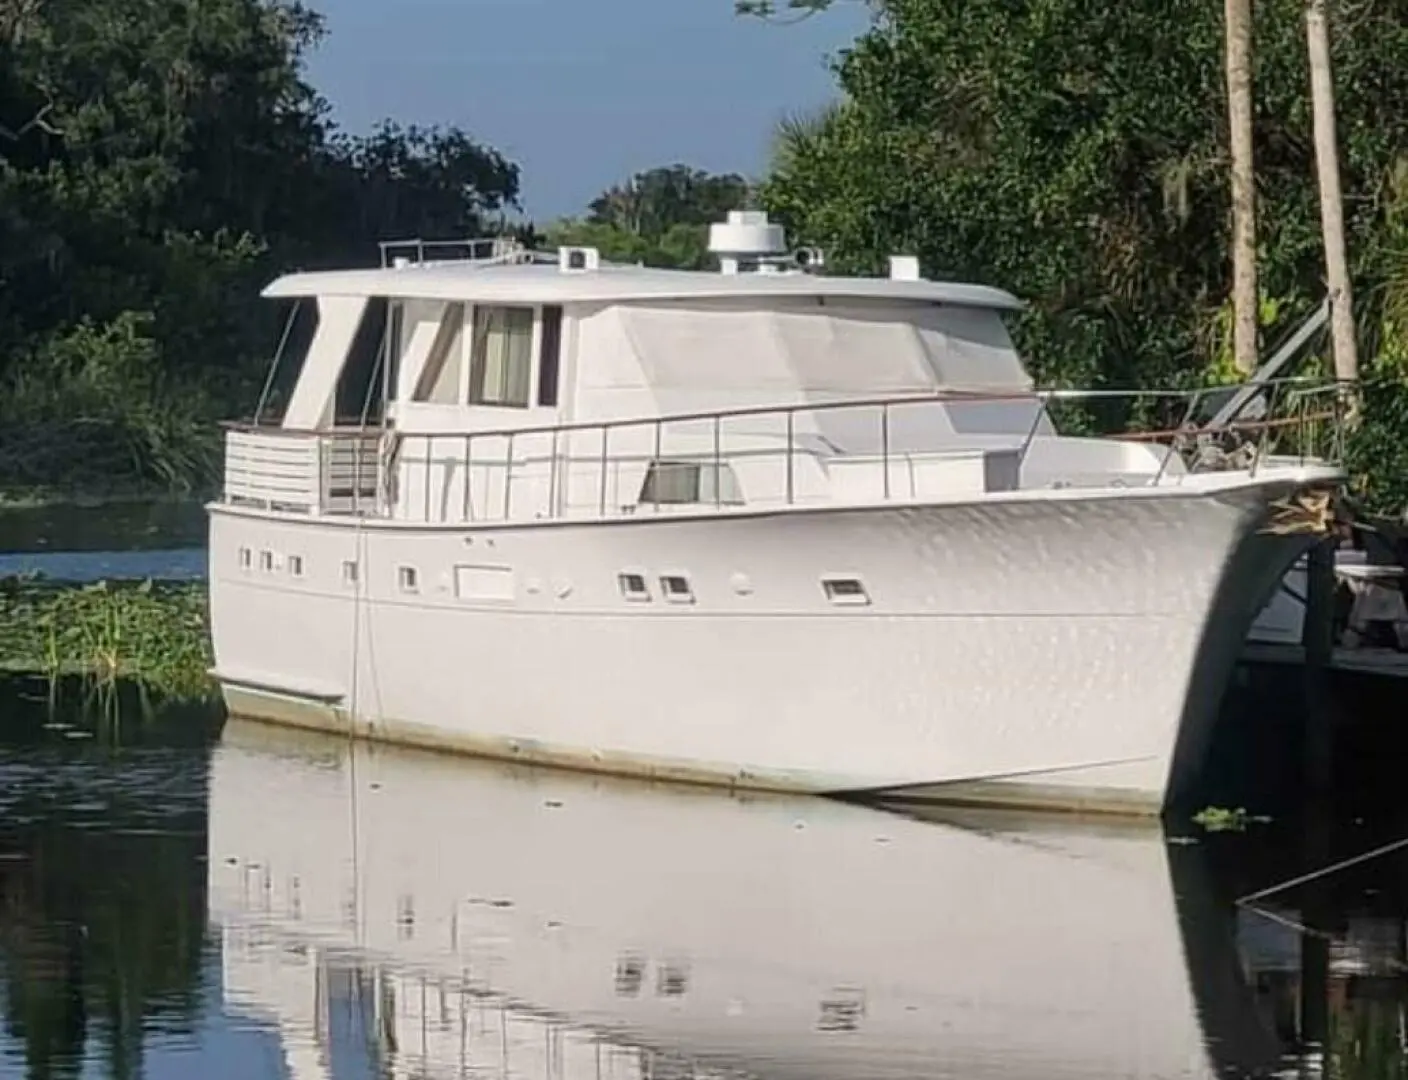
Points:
(501, 356)
(440, 380)
(549, 356)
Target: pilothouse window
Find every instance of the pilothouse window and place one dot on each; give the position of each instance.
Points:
(501, 356)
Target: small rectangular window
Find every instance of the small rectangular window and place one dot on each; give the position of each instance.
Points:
(633, 586)
(549, 356)
(295, 565)
(501, 356)
(677, 589)
(845, 591)
(349, 572)
(407, 578)
(266, 560)
(246, 558)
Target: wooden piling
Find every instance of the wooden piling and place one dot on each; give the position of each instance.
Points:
(1317, 638)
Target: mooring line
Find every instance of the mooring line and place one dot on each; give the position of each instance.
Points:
(1325, 871)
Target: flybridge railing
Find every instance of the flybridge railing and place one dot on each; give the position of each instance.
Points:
(852, 450)
(480, 249)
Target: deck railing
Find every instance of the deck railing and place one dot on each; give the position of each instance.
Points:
(856, 450)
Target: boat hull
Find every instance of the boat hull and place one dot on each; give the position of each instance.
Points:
(1061, 652)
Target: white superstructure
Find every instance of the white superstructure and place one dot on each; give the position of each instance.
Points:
(760, 527)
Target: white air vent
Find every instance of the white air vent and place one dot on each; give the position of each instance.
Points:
(578, 260)
(904, 268)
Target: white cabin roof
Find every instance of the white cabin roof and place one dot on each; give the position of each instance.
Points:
(550, 284)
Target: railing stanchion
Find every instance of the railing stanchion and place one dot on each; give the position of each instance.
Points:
(605, 432)
(468, 457)
(508, 478)
(429, 442)
(658, 467)
(718, 466)
(790, 415)
(885, 446)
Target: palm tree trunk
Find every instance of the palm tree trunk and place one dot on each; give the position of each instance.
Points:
(1322, 100)
(1238, 15)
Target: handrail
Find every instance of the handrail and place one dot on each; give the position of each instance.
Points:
(971, 397)
(513, 455)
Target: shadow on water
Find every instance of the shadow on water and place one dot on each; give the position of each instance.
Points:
(185, 895)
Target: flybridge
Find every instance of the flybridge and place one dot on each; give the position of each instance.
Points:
(746, 243)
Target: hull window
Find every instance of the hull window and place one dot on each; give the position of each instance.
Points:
(501, 356)
(677, 589)
(407, 579)
(845, 591)
(349, 572)
(295, 565)
(633, 586)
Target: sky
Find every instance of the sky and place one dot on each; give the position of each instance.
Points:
(581, 93)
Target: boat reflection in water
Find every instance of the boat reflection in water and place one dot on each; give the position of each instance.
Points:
(429, 916)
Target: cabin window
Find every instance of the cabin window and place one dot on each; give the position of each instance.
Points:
(679, 482)
(266, 561)
(246, 558)
(440, 380)
(295, 565)
(407, 579)
(501, 356)
(549, 356)
(349, 572)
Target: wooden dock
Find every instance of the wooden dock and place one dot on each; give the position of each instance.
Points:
(1386, 663)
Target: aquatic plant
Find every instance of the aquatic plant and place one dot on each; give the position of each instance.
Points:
(154, 635)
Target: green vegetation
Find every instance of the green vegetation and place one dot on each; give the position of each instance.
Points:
(160, 160)
(154, 636)
(660, 217)
(1077, 155)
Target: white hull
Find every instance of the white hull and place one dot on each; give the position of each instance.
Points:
(1068, 649)
(776, 937)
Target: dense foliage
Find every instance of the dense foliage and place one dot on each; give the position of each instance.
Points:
(159, 159)
(1076, 154)
(660, 217)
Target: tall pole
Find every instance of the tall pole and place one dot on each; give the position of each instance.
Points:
(1238, 30)
(1322, 100)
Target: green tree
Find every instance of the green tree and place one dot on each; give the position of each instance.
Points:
(660, 217)
(159, 161)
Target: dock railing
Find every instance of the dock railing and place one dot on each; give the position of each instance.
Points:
(888, 448)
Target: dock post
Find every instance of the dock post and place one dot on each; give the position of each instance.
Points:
(1317, 638)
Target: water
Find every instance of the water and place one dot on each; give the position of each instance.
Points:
(192, 898)
(188, 896)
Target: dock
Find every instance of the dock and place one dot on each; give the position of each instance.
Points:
(1388, 663)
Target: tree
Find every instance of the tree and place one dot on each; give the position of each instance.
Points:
(1077, 155)
(660, 217)
(1245, 300)
(159, 161)
(1322, 95)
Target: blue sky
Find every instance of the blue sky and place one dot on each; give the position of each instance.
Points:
(581, 93)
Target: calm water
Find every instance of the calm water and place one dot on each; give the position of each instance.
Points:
(182, 896)
(184, 900)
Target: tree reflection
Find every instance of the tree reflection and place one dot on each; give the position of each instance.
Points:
(102, 891)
